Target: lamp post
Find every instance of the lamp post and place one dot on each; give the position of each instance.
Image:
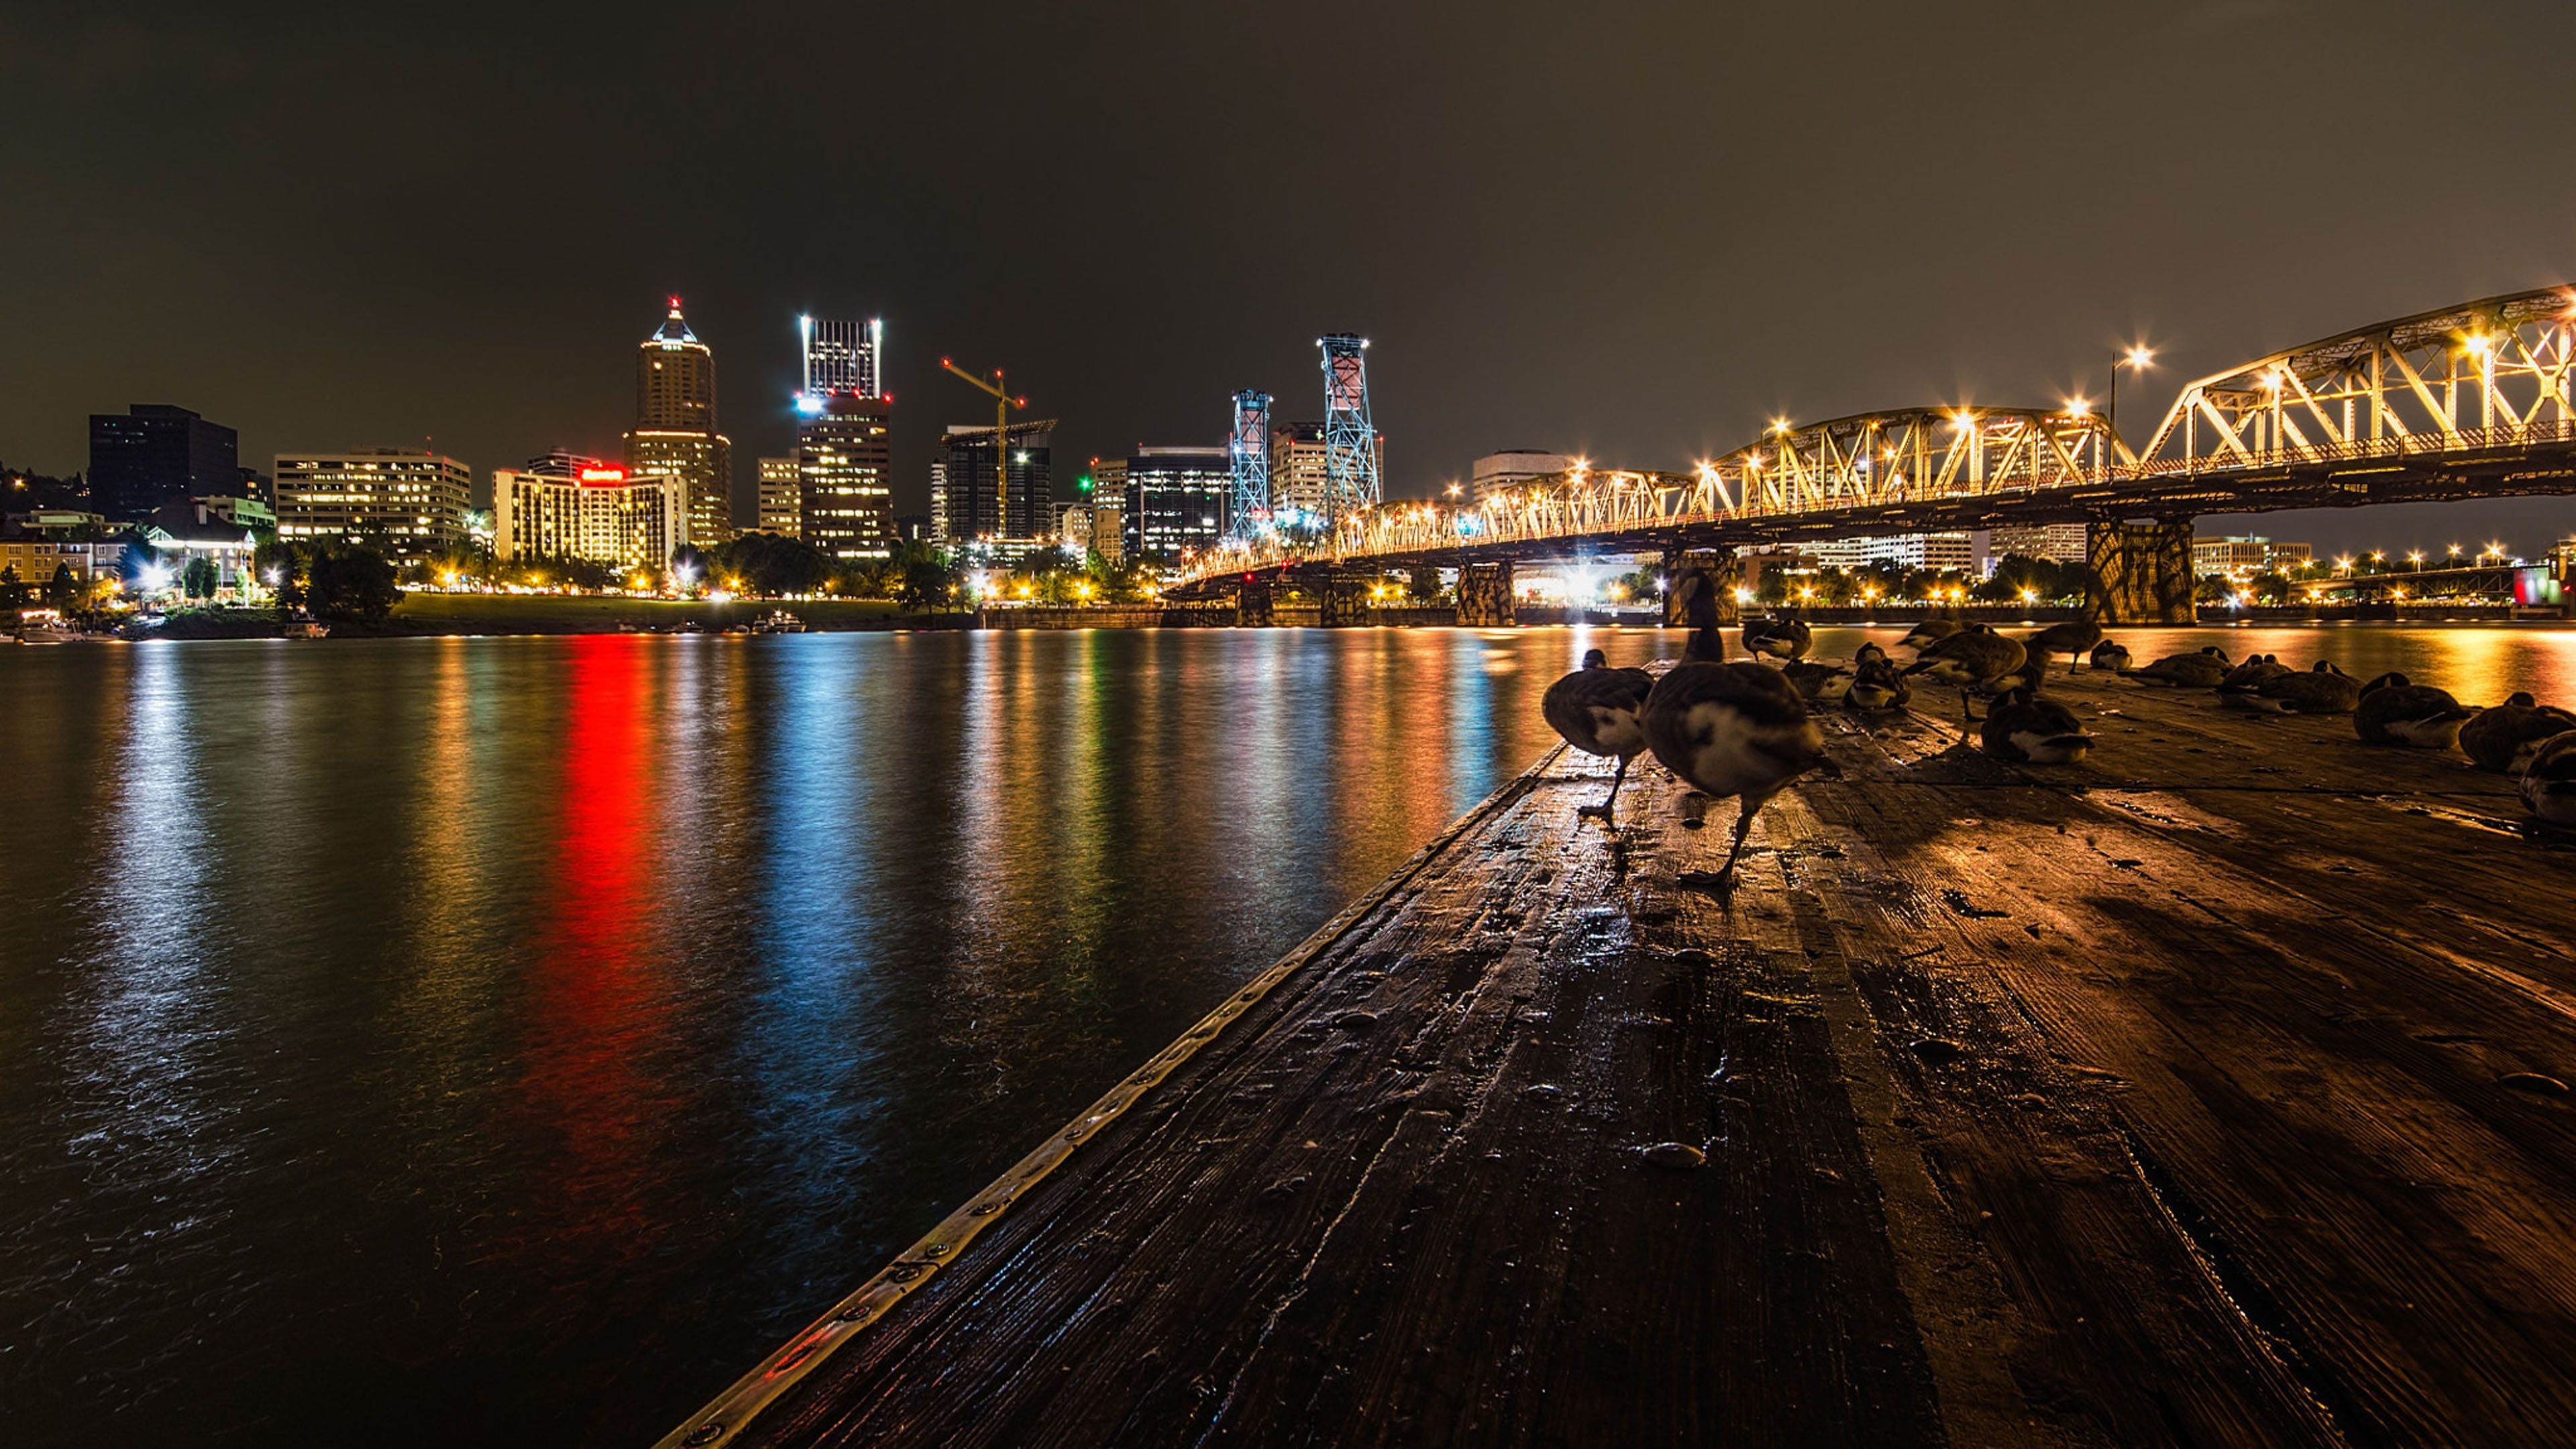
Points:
(2137, 357)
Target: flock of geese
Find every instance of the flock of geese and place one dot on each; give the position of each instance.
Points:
(1743, 730)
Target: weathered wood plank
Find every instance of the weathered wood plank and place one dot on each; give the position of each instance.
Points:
(2156, 1100)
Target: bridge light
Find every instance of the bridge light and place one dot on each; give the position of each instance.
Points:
(2139, 357)
(2078, 406)
(1779, 425)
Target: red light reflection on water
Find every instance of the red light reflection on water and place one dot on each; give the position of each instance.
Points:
(597, 1001)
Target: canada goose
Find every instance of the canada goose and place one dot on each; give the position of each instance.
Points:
(1929, 631)
(1699, 606)
(2022, 726)
(2185, 671)
(2322, 690)
(2070, 639)
(2503, 738)
(2251, 674)
(1816, 681)
(1595, 710)
(1868, 651)
(2549, 784)
(1783, 637)
(1975, 659)
(1876, 685)
(1732, 729)
(2418, 716)
(2111, 655)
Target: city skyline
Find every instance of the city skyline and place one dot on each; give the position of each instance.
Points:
(1531, 277)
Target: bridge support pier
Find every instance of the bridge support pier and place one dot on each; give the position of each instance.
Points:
(1720, 569)
(2139, 573)
(1485, 596)
(1253, 607)
(1345, 600)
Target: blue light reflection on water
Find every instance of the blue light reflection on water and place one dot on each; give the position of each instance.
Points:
(433, 1039)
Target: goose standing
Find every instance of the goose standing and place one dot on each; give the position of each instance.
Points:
(1784, 637)
(1976, 658)
(1929, 631)
(2549, 784)
(2022, 726)
(2394, 712)
(1595, 710)
(2111, 655)
(2503, 738)
(1732, 729)
(2071, 639)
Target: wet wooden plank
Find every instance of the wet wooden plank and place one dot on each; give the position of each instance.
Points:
(2157, 1100)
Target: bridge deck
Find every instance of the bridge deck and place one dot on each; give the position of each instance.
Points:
(2167, 1099)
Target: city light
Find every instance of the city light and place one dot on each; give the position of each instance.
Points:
(2139, 357)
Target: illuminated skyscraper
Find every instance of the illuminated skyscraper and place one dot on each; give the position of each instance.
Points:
(782, 504)
(844, 462)
(675, 427)
(844, 446)
(843, 356)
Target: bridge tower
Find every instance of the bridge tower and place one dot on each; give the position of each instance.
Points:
(1248, 450)
(1350, 441)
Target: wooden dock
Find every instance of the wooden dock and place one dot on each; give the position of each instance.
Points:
(2207, 1093)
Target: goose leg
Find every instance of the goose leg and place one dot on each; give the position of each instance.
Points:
(1604, 808)
(1743, 826)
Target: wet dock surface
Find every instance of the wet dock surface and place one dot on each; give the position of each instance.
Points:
(2209, 1092)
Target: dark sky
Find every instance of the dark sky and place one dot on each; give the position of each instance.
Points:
(1634, 231)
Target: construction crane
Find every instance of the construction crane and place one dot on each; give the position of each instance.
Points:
(1003, 402)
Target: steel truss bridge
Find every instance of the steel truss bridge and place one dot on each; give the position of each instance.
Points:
(2471, 401)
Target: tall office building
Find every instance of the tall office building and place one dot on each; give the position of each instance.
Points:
(1176, 500)
(1941, 552)
(564, 505)
(1511, 468)
(844, 463)
(407, 501)
(1297, 478)
(153, 454)
(1108, 497)
(998, 504)
(675, 427)
(845, 447)
(782, 504)
(2056, 542)
(843, 356)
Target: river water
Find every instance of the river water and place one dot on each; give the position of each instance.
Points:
(430, 1041)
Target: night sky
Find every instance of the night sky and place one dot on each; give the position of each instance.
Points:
(1633, 231)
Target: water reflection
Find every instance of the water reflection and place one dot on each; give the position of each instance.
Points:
(520, 1036)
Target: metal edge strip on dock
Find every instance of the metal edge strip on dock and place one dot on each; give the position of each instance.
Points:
(731, 1411)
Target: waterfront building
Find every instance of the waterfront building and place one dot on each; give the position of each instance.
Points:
(197, 514)
(2241, 556)
(563, 505)
(406, 501)
(1176, 500)
(1939, 552)
(782, 497)
(152, 454)
(1009, 509)
(675, 427)
(1511, 468)
(1298, 480)
(939, 502)
(67, 522)
(2055, 542)
(36, 557)
(1073, 527)
(229, 550)
(844, 469)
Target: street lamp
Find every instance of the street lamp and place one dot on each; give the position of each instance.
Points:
(2137, 357)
